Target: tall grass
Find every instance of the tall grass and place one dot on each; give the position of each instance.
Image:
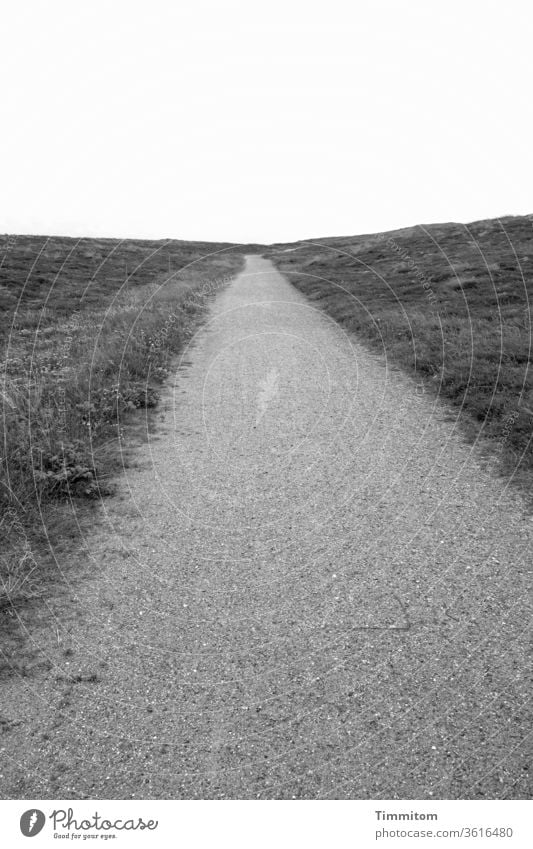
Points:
(451, 304)
(68, 385)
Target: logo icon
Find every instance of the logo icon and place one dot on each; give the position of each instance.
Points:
(32, 822)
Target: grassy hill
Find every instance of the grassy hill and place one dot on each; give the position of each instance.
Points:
(451, 304)
(88, 328)
(44, 278)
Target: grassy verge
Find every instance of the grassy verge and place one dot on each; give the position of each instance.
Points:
(451, 305)
(88, 332)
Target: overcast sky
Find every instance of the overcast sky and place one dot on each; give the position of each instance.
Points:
(263, 122)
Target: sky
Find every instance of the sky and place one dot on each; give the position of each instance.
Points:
(265, 122)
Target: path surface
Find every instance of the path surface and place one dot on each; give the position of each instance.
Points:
(308, 588)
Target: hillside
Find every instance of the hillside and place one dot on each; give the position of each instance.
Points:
(450, 303)
(88, 329)
(42, 277)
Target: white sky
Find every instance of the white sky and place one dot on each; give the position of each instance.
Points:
(262, 122)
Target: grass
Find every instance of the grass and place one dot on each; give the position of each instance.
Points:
(89, 328)
(451, 305)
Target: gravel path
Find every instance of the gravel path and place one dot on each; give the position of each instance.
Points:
(309, 587)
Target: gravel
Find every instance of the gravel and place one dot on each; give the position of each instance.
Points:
(308, 586)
